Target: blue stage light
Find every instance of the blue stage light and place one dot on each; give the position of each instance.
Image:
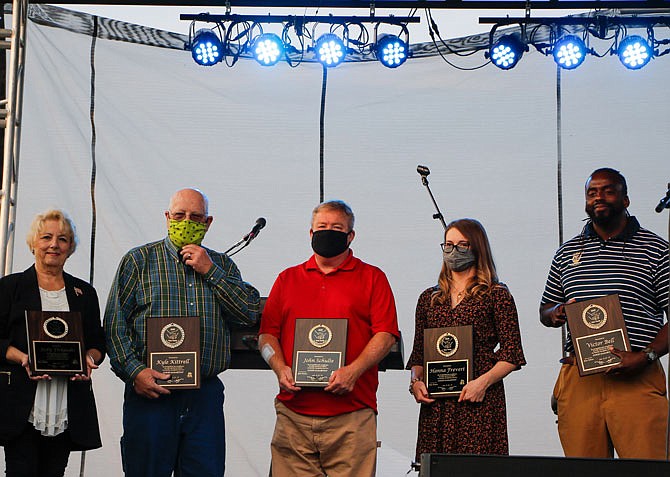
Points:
(206, 48)
(391, 51)
(330, 50)
(268, 49)
(569, 52)
(507, 51)
(634, 52)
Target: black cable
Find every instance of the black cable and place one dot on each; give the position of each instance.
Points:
(93, 144)
(241, 40)
(324, 82)
(559, 154)
(559, 180)
(432, 27)
(432, 32)
(286, 38)
(91, 273)
(437, 48)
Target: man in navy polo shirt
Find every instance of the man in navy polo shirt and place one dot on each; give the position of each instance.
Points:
(626, 408)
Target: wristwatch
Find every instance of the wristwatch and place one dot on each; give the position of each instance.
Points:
(651, 354)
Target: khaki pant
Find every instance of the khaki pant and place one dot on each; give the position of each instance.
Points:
(599, 413)
(314, 446)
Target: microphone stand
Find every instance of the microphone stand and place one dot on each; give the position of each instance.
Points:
(665, 204)
(246, 240)
(423, 172)
(234, 246)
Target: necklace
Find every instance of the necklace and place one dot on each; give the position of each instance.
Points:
(459, 295)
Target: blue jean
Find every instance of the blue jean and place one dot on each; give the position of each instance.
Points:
(182, 432)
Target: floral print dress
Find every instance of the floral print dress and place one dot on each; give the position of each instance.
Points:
(447, 426)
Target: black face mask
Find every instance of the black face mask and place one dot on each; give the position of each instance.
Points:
(329, 243)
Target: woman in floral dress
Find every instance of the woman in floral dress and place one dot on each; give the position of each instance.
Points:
(468, 293)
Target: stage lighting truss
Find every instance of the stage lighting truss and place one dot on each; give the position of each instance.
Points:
(294, 39)
(570, 39)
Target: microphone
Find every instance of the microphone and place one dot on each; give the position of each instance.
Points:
(664, 203)
(260, 223)
(422, 170)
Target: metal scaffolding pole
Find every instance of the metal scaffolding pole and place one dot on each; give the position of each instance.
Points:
(12, 109)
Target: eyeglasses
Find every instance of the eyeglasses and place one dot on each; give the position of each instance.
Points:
(449, 247)
(179, 216)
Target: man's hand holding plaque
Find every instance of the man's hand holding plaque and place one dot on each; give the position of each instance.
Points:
(596, 326)
(319, 348)
(56, 343)
(173, 347)
(448, 360)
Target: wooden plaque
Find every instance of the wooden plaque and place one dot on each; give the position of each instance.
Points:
(448, 360)
(595, 325)
(319, 348)
(173, 347)
(56, 343)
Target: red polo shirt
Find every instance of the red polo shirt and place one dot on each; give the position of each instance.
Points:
(356, 291)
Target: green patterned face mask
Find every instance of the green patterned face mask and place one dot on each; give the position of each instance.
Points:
(184, 232)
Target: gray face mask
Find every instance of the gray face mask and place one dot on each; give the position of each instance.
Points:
(459, 261)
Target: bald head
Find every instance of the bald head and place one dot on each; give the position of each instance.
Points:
(189, 204)
(193, 197)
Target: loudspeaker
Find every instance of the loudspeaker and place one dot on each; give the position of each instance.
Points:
(450, 465)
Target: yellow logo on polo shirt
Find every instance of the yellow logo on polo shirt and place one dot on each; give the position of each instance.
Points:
(576, 258)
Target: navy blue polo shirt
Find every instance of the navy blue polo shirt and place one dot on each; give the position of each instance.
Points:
(634, 265)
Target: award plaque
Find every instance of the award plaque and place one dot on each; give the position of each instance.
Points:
(448, 360)
(319, 348)
(55, 343)
(595, 325)
(173, 347)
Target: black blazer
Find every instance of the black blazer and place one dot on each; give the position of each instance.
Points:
(19, 292)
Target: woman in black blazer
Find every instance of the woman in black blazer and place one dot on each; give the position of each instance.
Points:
(43, 418)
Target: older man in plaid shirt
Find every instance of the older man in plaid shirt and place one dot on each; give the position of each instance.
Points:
(180, 431)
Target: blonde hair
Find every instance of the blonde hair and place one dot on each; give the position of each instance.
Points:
(66, 224)
(485, 277)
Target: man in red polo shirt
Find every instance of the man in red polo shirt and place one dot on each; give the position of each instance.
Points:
(329, 430)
